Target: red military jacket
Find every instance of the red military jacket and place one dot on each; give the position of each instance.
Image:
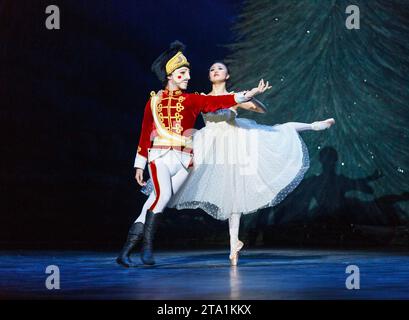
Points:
(169, 118)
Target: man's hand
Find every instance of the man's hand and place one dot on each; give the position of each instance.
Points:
(139, 177)
(253, 105)
(262, 87)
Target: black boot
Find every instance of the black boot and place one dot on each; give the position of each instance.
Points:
(148, 235)
(134, 235)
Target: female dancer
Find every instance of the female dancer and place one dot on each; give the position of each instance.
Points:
(241, 166)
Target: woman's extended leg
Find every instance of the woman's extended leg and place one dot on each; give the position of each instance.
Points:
(316, 126)
(235, 243)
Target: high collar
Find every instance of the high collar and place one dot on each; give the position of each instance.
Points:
(172, 93)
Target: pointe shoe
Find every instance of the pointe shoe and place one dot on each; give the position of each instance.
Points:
(234, 258)
(322, 125)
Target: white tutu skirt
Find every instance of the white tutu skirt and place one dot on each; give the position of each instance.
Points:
(240, 167)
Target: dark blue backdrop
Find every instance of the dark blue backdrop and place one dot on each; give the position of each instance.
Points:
(71, 103)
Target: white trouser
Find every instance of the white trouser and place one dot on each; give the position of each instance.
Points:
(167, 174)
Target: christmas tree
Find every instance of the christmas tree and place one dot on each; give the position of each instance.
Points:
(321, 67)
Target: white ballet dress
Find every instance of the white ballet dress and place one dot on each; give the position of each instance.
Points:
(241, 166)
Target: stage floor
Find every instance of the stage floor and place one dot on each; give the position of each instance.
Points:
(261, 274)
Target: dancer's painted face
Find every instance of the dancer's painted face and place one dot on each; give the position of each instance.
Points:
(180, 77)
(218, 73)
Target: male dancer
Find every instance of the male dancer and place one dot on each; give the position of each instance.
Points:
(165, 142)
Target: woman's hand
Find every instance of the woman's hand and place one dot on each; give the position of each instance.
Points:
(139, 177)
(262, 87)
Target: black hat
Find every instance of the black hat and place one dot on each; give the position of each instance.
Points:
(170, 60)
